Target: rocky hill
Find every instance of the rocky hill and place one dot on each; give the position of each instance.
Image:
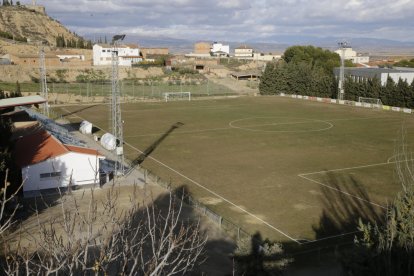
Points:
(24, 23)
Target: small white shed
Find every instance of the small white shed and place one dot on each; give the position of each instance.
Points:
(46, 163)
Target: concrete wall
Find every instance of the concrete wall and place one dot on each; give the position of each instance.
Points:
(82, 168)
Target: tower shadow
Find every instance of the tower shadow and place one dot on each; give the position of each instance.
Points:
(141, 158)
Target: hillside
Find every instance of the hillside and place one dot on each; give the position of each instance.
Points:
(35, 26)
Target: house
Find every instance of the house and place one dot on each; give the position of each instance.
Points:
(363, 74)
(127, 54)
(243, 51)
(352, 55)
(219, 50)
(46, 163)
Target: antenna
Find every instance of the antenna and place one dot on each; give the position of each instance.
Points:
(43, 81)
(341, 90)
(116, 119)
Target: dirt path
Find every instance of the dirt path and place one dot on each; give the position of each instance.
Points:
(235, 85)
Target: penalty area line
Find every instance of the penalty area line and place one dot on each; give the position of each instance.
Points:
(343, 192)
(210, 191)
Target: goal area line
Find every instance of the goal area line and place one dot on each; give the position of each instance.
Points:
(306, 176)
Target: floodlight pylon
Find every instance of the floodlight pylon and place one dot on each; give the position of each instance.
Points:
(43, 81)
(116, 116)
(341, 90)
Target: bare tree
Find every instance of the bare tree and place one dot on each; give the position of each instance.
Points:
(92, 236)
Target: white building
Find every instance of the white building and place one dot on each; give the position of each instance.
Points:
(46, 163)
(265, 57)
(64, 56)
(382, 74)
(128, 54)
(243, 51)
(218, 49)
(352, 55)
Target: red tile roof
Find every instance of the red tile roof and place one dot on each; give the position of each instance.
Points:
(83, 150)
(37, 147)
(40, 146)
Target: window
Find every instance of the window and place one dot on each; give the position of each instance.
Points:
(103, 51)
(44, 176)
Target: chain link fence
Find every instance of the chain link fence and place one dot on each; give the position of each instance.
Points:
(233, 230)
(99, 92)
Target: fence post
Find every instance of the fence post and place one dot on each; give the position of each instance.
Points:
(220, 221)
(238, 233)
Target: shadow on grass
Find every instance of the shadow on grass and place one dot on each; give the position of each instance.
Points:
(137, 161)
(341, 211)
(78, 110)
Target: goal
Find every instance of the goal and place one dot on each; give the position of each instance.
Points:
(177, 96)
(370, 102)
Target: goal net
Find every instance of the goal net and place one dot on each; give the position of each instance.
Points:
(370, 102)
(177, 96)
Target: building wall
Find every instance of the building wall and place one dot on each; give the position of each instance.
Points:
(103, 56)
(218, 47)
(82, 168)
(265, 57)
(243, 52)
(202, 48)
(154, 51)
(407, 76)
(353, 56)
(81, 57)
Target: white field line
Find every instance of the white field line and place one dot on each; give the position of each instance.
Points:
(184, 132)
(303, 175)
(210, 191)
(231, 124)
(343, 192)
(234, 127)
(227, 128)
(330, 237)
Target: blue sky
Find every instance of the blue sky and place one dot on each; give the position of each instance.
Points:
(238, 20)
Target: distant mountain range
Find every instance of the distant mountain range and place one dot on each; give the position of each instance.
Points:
(276, 44)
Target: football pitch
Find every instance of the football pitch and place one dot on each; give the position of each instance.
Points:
(292, 170)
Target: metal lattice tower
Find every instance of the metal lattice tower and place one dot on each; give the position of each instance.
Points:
(341, 89)
(43, 81)
(116, 119)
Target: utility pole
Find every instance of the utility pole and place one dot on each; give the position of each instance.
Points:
(116, 118)
(341, 90)
(43, 81)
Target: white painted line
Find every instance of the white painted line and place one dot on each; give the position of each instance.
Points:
(358, 167)
(329, 125)
(343, 192)
(184, 132)
(331, 237)
(349, 168)
(219, 196)
(210, 191)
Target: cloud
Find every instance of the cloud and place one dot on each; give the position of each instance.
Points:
(238, 20)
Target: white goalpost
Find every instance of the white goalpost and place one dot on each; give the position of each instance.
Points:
(177, 96)
(370, 102)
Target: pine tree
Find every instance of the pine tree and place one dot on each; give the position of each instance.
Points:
(18, 91)
(402, 93)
